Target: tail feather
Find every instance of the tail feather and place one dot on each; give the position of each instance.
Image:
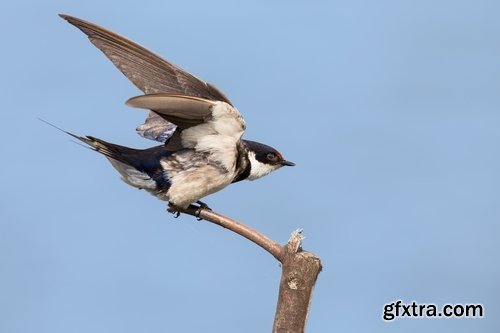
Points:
(138, 167)
(110, 150)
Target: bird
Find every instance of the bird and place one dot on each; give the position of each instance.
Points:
(202, 148)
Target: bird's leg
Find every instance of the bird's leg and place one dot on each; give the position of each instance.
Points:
(202, 206)
(171, 208)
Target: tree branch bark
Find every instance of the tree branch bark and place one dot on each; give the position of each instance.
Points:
(299, 272)
(300, 269)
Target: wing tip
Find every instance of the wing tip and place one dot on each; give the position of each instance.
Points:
(79, 23)
(132, 102)
(85, 26)
(68, 18)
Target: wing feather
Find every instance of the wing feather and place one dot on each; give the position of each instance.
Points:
(204, 124)
(156, 128)
(149, 72)
(183, 111)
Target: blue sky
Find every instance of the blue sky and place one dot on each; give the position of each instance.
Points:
(390, 109)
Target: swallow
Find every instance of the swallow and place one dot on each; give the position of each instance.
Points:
(202, 149)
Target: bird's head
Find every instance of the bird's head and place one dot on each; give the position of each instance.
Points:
(263, 159)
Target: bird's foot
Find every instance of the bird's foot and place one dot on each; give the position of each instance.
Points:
(173, 209)
(202, 206)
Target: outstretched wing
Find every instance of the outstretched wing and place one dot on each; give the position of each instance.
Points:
(205, 125)
(149, 72)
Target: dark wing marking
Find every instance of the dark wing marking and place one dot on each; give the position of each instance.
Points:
(149, 72)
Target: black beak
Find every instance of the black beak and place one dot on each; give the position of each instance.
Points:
(287, 163)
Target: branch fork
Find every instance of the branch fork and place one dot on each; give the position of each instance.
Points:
(300, 269)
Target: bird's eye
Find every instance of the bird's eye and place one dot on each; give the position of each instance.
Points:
(272, 157)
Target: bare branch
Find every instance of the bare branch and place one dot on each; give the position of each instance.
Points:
(300, 269)
(276, 249)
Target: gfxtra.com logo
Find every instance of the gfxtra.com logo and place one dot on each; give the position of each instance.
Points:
(398, 309)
